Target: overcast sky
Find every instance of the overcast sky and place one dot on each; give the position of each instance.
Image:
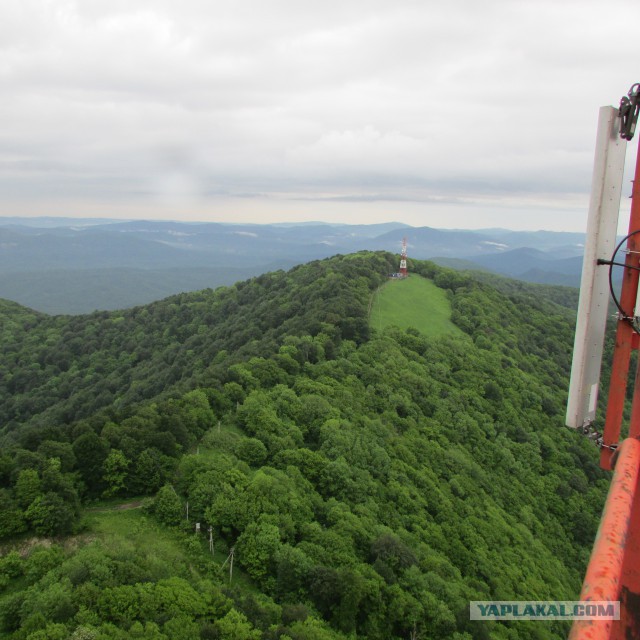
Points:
(456, 113)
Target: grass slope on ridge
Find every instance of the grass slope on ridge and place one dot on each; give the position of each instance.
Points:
(371, 482)
(412, 302)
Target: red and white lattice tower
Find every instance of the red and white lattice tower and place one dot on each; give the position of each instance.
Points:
(403, 259)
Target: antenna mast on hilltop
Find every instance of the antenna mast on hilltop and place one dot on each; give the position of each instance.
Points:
(403, 259)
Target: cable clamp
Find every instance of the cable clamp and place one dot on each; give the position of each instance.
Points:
(628, 112)
(596, 437)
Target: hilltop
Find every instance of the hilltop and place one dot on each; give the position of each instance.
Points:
(369, 481)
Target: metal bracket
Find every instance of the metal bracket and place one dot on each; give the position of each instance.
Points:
(628, 112)
(596, 437)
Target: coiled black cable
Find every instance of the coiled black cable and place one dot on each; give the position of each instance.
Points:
(611, 264)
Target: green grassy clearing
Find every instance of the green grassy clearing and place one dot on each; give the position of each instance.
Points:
(412, 302)
(165, 550)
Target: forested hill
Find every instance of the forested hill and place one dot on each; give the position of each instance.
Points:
(370, 482)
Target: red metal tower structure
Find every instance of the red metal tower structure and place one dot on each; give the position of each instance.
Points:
(403, 259)
(613, 573)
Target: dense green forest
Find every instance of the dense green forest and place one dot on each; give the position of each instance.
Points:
(366, 483)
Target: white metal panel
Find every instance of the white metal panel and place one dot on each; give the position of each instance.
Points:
(602, 225)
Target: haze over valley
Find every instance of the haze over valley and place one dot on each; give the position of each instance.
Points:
(78, 266)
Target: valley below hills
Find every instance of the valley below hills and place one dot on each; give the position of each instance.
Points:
(292, 457)
(66, 266)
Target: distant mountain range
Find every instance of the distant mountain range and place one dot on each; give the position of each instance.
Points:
(75, 266)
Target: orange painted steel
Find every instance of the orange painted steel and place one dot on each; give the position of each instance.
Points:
(625, 340)
(617, 390)
(614, 569)
(613, 573)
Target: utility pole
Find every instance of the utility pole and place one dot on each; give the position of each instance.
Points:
(230, 561)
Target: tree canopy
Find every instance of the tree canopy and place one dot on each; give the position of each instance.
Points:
(366, 483)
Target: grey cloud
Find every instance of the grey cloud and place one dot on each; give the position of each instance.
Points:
(192, 101)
